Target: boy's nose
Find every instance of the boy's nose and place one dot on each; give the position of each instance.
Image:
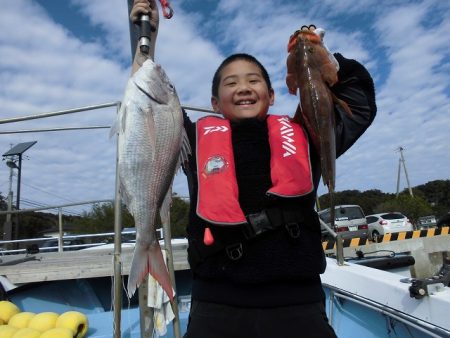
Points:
(243, 88)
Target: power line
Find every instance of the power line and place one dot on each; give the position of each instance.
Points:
(49, 193)
(38, 204)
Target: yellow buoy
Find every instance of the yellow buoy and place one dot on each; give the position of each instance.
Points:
(7, 310)
(43, 321)
(59, 332)
(26, 332)
(7, 331)
(75, 321)
(21, 319)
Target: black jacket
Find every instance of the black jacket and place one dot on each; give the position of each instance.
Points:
(275, 269)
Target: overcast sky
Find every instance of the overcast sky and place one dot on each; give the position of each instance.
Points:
(58, 55)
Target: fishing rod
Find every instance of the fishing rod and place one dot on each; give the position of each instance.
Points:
(146, 29)
(144, 34)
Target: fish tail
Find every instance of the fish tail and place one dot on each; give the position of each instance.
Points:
(148, 260)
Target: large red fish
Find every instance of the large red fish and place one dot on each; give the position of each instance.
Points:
(310, 69)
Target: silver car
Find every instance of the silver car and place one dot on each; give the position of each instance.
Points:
(387, 222)
(350, 222)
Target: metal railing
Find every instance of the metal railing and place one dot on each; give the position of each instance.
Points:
(421, 325)
(338, 240)
(60, 225)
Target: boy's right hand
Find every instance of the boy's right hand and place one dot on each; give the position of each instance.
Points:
(148, 7)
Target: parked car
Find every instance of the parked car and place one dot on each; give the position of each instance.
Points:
(387, 222)
(426, 222)
(444, 221)
(51, 245)
(350, 221)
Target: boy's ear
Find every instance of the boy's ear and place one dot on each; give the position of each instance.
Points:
(215, 104)
(272, 96)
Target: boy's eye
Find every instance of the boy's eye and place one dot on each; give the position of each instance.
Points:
(231, 83)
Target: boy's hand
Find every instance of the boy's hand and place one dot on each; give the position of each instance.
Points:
(148, 7)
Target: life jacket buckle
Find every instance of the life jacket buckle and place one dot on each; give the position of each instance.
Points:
(293, 230)
(234, 251)
(257, 224)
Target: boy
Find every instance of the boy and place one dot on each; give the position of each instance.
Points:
(254, 237)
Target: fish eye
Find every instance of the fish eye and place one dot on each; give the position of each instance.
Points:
(304, 28)
(311, 49)
(312, 27)
(170, 86)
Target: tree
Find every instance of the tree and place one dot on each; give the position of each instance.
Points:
(367, 200)
(3, 202)
(437, 193)
(101, 219)
(3, 206)
(412, 207)
(179, 215)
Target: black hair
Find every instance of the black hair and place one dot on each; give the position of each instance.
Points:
(230, 59)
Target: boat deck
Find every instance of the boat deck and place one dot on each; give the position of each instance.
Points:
(74, 264)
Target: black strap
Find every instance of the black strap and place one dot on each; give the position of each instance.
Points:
(257, 224)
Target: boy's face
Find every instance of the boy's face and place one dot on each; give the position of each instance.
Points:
(243, 92)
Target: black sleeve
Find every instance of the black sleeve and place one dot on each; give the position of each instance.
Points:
(356, 88)
(189, 127)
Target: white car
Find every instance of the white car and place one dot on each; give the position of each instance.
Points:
(387, 222)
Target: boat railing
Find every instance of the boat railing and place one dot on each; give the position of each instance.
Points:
(4, 244)
(339, 295)
(338, 240)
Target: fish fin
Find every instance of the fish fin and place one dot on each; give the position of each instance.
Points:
(185, 149)
(343, 104)
(149, 120)
(118, 122)
(126, 197)
(298, 116)
(145, 261)
(113, 129)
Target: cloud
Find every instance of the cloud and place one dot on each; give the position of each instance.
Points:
(45, 67)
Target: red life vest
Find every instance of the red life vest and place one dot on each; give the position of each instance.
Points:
(218, 195)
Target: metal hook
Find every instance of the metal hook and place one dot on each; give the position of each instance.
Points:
(166, 9)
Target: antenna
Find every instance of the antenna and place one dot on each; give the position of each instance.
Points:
(401, 161)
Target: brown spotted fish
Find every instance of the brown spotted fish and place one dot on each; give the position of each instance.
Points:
(310, 69)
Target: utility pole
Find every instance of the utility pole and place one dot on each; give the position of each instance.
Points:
(7, 228)
(12, 155)
(401, 161)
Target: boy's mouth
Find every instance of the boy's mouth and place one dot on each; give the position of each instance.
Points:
(245, 102)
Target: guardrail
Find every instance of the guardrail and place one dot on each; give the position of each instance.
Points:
(60, 237)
